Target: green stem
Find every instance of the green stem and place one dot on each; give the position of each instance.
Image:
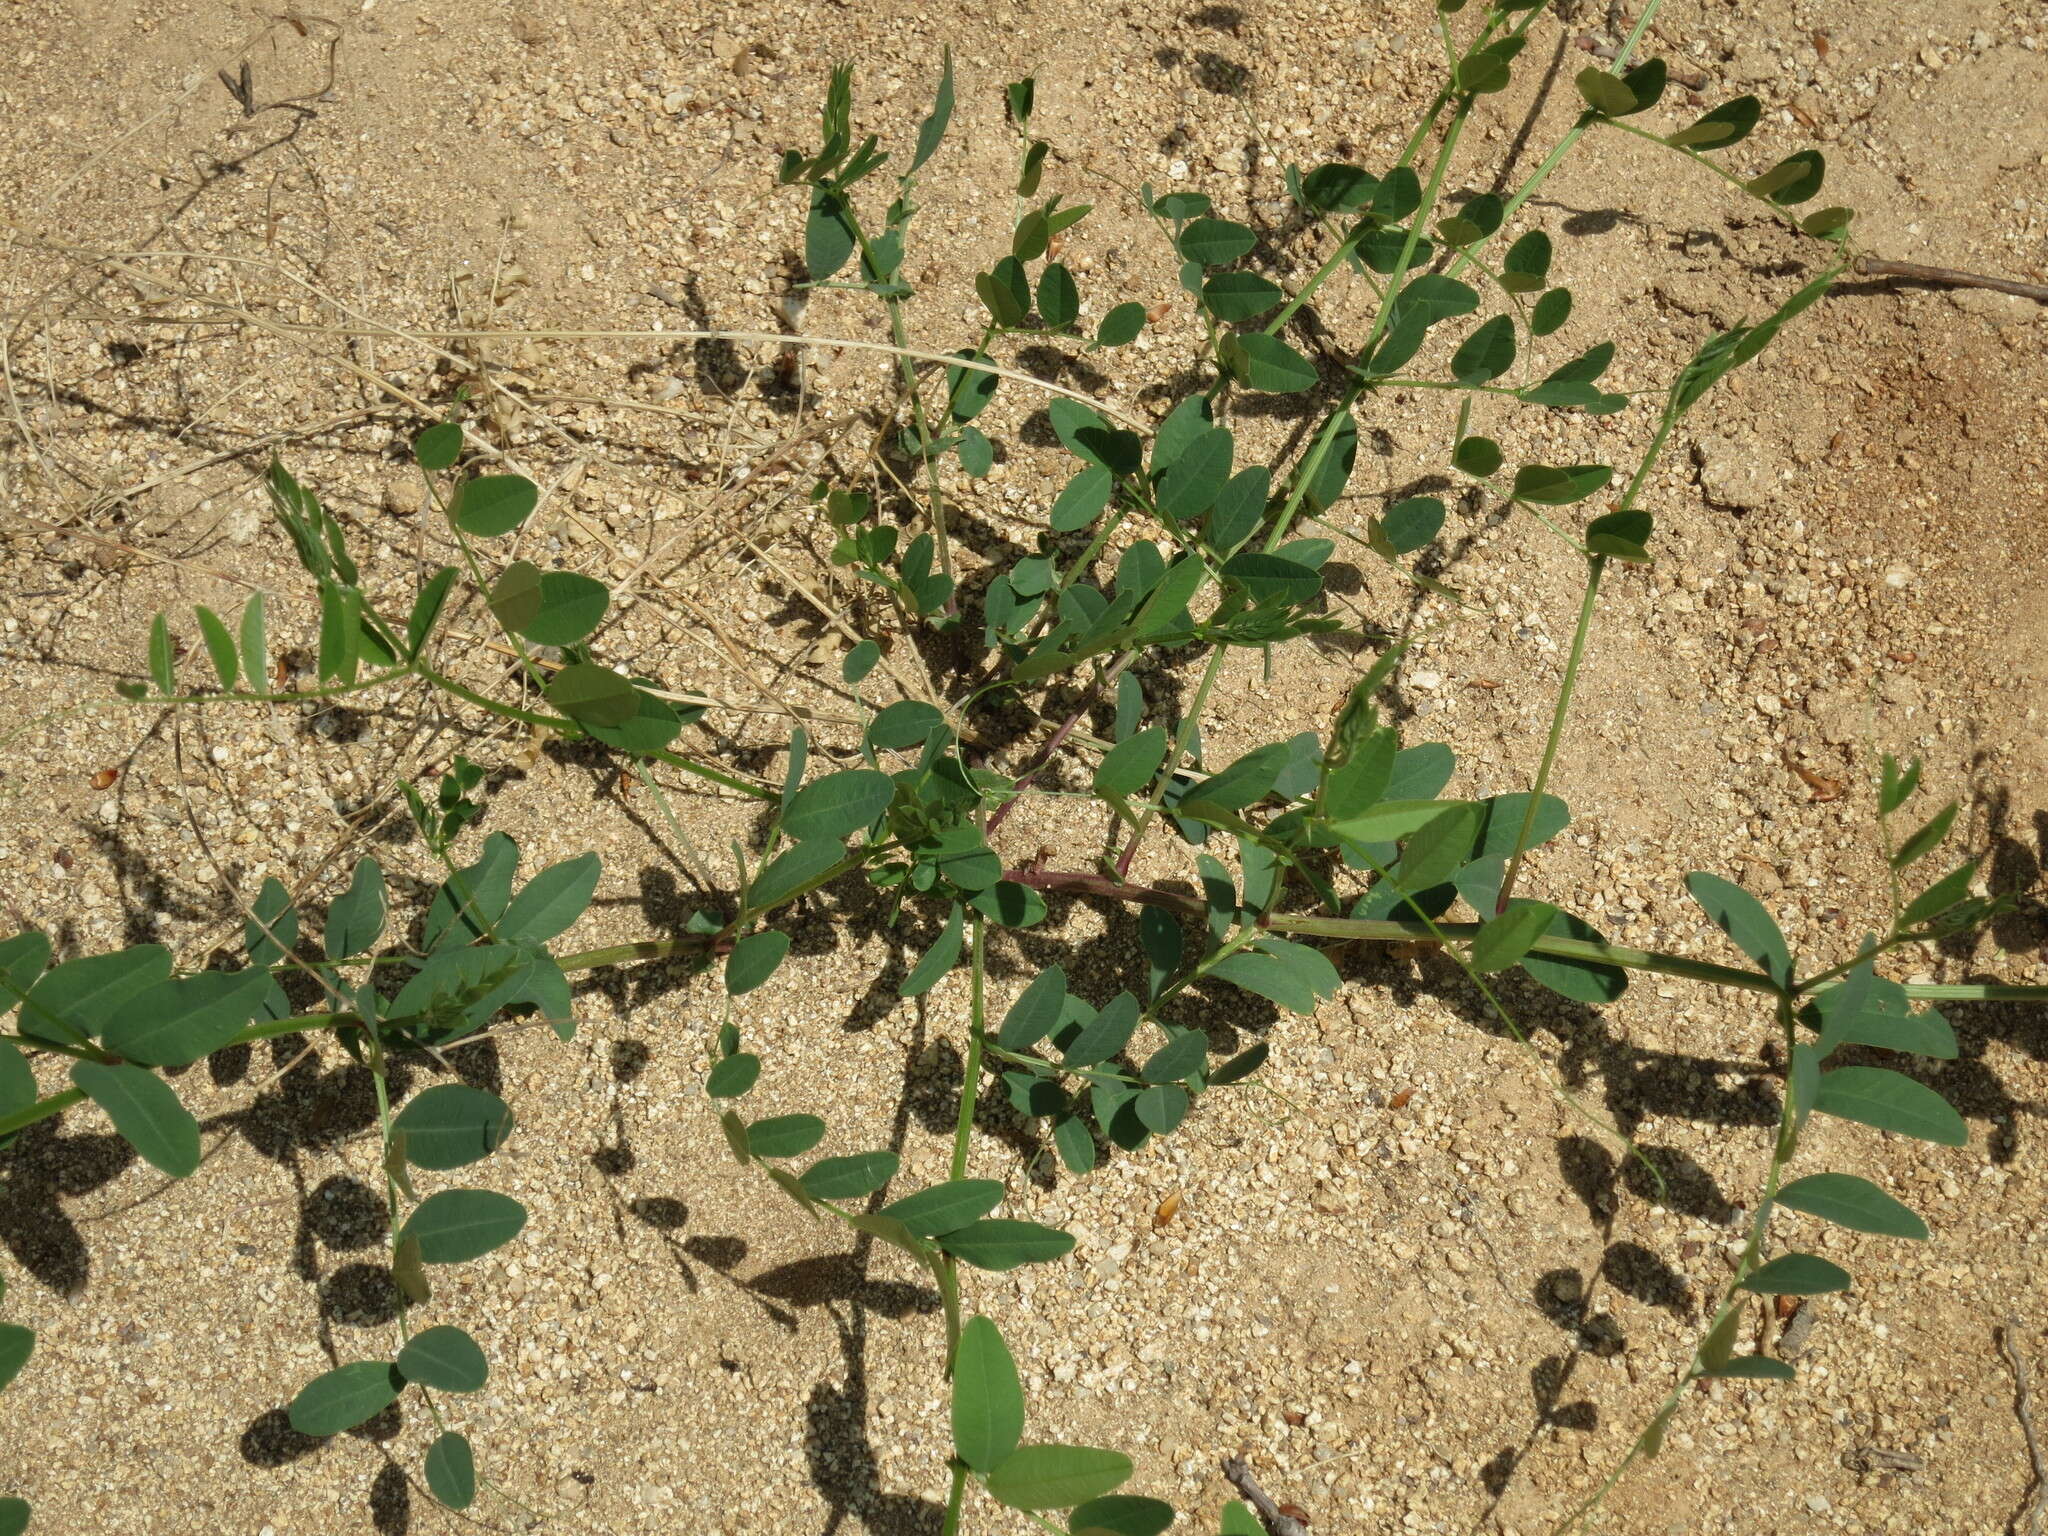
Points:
(1048, 607)
(375, 1047)
(1594, 566)
(1550, 526)
(42, 1109)
(1524, 192)
(1665, 422)
(1368, 930)
(1242, 939)
(1430, 193)
(420, 669)
(954, 1496)
(1620, 956)
(948, 1269)
(1311, 464)
(750, 914)
(1316, 280)
(1563, 147)
(571, 728)
(1443, 32)
(1421, 134)
(1778, 210)
(899, 333)
(628, 954)
(495, 706)
(1182, 740)
(1974, 992)
(58, 1047)
(1895, 894)
(1783, 1147)
(689, 856)
(1452, 385)
(1821, 978)
(970, 1071)
(1635, 35)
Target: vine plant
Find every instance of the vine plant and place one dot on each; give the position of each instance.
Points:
(1343, 839)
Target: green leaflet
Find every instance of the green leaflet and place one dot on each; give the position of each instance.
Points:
(1744, 919)
(451, 1125)
(1851, 1202)
(932, 1213)
(455, 1225)
(445, 1358)
(998, 1243)
(1890, 1101)
(451, 1470)
(988, 1397)
(146, 1113)
(1056, 1476)
(344, 1397)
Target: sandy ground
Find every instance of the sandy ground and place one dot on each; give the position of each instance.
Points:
(1411, 1286)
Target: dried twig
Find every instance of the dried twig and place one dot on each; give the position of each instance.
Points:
(1877, 266)
(1277, 1523)
(2008, 1336)
(665, 337)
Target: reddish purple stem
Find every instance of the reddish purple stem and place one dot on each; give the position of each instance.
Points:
(1017, 789)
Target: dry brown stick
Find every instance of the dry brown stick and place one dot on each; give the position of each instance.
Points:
(446, 333)
(1877, 266)
(1029, 776)
(267, 442)
(833, 617)
(2008, 1341)
(243, 315)
(30, 520)
(193, 83)
(1278, 1524)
